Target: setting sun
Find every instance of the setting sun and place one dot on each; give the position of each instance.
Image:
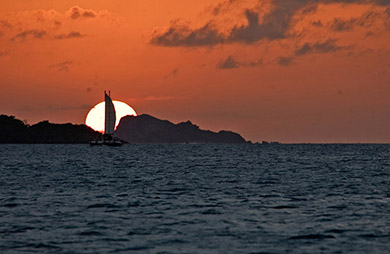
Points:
(95, 117)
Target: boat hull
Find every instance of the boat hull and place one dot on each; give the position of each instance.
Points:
(106, 140)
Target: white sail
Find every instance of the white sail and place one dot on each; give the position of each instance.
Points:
(110, 115)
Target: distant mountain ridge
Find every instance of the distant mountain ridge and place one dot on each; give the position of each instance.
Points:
(143, 129)
(14, 131)
(148, 129)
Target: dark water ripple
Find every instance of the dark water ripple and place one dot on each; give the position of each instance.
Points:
(195, 199)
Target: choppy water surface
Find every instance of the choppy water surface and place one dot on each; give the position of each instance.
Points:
(195, 199)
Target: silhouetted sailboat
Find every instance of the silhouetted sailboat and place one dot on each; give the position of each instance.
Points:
(110, 115)
(109, 124)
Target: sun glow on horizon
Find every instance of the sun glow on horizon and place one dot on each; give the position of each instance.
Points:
(95, 117)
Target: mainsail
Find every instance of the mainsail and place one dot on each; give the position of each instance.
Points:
(110, 116)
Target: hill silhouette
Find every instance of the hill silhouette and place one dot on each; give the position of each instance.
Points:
(14, 131)
(148, 129)
(143, 129)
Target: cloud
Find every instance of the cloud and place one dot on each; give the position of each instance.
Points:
(369, 34)
(69, 35)
(208, 35)
(63, 67)
(34, 33)
(254, 31)
(223, 7)
(50, 24)
(172, 74)
(274, 25)
(5, 24)
(228, 63)
(231, 63)
(285, 61)
(318, 47)
(342, 25)
(317, 23)
(257, 63)
(368, 19)
(57, 23)
(181, 35)
(78, 13)
(311, 48)
(4, 53)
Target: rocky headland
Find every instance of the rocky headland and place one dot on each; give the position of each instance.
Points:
(148, 129)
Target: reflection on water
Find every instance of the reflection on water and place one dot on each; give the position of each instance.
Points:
(195, 199)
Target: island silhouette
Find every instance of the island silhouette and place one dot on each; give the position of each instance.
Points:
(142, 129)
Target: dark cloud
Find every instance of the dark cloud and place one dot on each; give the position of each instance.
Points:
(342, 25)
(369, 34)
(254, 31)
(311, 48)
(229, 63)
(69, 35)
(387, 18)
(285, 61)
(368, 19)
(311, 8)
(63, 67)
(258, 63)
(173, 73)
(209, 35)
(179, 35)
(222, 7)
(34, 33)
(273, 26)
(4, 53)
(57, 23)
(318, 47)
(76, 12)
(317, 23)
(5, 24)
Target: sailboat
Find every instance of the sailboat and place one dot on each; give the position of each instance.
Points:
(109, 124)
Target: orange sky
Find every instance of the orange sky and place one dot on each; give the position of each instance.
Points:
(291, 71)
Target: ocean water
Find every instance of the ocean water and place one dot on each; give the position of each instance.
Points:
(195, 199)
